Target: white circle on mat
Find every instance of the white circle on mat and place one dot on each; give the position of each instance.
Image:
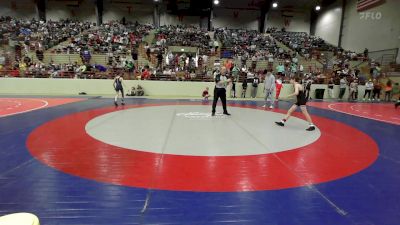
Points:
(191, 130)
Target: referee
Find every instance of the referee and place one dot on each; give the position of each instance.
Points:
(221, 82)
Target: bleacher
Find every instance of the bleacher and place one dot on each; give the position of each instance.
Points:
(113, 51)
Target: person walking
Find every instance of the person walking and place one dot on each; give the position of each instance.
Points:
(301, 101)
(119, 89)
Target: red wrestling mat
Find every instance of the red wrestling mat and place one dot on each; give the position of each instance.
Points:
(333, 156)
(380, 112)
(12, 106)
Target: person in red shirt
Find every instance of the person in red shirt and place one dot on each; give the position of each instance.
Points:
(228, 65)
(14, 72)
(206, 94)
(145, 74)
(278, 85)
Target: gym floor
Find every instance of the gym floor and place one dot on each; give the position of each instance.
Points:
(83, 161)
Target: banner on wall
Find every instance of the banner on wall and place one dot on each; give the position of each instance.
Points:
(235, 14)
(286, 20)
(13, 5)
(363, 5)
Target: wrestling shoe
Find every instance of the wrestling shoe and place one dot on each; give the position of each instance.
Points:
(280, 123)
(310, 128)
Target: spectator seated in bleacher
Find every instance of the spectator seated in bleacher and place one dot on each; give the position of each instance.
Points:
(182, 36)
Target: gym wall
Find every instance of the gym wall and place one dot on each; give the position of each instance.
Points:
(379, 30)
(21, 9)
(328, 24)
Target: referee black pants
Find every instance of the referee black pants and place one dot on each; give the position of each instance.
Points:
(219, 93)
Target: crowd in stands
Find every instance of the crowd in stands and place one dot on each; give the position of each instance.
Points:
(183, 36)
(312, 46)
(255, 46)
(40, 35)
(301, 42)
(112, 37)
(120, 43)
(27, 68)
(248, 44)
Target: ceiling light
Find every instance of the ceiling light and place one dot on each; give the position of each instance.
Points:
(216, 2)
(274, 5)
(317, 7)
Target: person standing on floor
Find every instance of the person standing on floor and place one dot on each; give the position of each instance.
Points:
(118, 89)
(269, 88)
(395, 91)
(233, 88)
(377, 91)
(221, 81)
(301, 101)
(368, 89)
(308, 84)
(244, 88)
(278, 88)
(388, 91)
(331, 86)
(353, 90)
(343, 86)
(256, 81)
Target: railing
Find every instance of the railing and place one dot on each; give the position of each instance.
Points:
(179, 76)
(128, 75)
(384, 57)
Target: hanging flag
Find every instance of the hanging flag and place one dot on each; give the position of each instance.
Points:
(363, 5)
(14, 5)
(235, 14)
(287, 21)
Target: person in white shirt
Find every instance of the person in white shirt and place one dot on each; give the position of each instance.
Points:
(368, 89)
(301, 68)
(353, 90)
(221, 82)
(270, 58)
